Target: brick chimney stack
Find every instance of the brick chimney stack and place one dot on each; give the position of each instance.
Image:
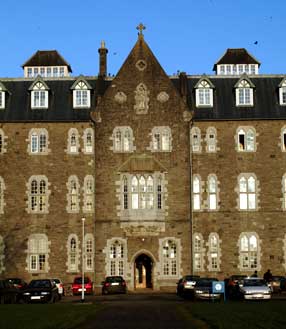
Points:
(102, 59)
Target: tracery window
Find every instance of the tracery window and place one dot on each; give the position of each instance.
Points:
(212, 192)
(161, 139)
(196, 140)
(248, 251)
(244, 93)
(89, 252)
(247, 192)
(88, 141)
(214, 252)
(73, 141)
(170, 257)
(88, 198)
(116, 257)
(122, 139)
(204, 93)
(211, 139)
(198, 252)
(38, 141)
(38, 252)
(39, 95)
(81, 94)
(38, 194)
(73, 195)
(73, 253)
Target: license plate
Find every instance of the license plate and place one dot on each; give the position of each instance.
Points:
(115, 284)
(80, 289)
(35, 297)
(257, 296)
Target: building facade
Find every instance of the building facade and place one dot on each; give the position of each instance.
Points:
(143, 175)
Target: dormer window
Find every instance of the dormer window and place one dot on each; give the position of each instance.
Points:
(3, 91)
(204, 93)
(39, 94)
(81, 94)
(282, 92)
(244, 92)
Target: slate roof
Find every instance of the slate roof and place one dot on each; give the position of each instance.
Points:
(236, 56)
(47, 58)
(266, 99)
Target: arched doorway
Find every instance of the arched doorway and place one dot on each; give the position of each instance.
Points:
(143, 266)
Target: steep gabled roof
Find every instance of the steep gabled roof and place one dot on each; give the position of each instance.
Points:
(47, 58)
(236, 56)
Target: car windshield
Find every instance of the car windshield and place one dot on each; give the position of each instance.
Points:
(114, 279)
(192, 278)
(254, 283)
(40, 284)
(204, 283)
(79, 280)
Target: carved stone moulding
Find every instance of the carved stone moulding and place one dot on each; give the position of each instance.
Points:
(141, 65)
(163, 97)
(120, 97)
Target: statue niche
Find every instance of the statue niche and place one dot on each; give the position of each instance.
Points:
(141, 99)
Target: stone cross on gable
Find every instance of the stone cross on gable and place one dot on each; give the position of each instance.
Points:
(140, 28)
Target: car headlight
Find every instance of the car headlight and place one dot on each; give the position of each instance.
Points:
(199, 292)
(26, 294)
(45, 293)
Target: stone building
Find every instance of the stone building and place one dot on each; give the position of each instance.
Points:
(143, 175)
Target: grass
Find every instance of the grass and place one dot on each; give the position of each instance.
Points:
(238, 315)
(38, 316)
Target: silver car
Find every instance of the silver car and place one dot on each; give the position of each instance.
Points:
(255, 288)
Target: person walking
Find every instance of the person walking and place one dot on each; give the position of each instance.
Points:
(268, 276)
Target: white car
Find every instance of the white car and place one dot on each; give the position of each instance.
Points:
(255, 288)
(60, 286)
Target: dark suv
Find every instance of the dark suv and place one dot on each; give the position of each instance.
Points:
(113, 285)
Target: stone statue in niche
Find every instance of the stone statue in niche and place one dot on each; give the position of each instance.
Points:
(141, 99)
(120, 97)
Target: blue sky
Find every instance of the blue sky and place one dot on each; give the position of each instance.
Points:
(185, 35)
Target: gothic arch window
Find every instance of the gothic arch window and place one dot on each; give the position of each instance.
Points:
(161, 139)
(73, 141)
(88, 141)
(38, 141)
(197, 192)
(247, 186)
(73, 195)
(116, 257)
(73, 253)
(2, 188)
(38, 253)
(244, 92)
(170, 257)
(122, 140)
(81, 94)
(196, 140)
(89, 252)
(204, 93)
(198, 252)
(211, 139)
(88, 197)
(38, 194)
(249, 252)
(2, 255)
(246, 139)
(214, 252)
(39, 94)
(212, 192)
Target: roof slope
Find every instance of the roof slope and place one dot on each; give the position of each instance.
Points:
(47, 58)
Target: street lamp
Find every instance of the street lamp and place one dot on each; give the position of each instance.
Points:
(82, 279)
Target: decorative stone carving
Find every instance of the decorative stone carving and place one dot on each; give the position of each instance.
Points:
(141, 99)
(162, 97)
(141, 65)
(120, 97)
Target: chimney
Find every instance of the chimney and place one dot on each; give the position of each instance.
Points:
(183, 80)
(102, 59)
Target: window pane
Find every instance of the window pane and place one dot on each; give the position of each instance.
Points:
(213, 202)
(243, 201)
(242, 185)
(197, 203)
(251, 201)
(251, 184)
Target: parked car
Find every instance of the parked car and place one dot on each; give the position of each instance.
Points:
(232, 286)
(278, 283)
(44, 291)
(60, 286)
(77, 286)
(255, 288)
(203, 289)
(113, 285)
(18, 283)
(8, 293)
(185, 286)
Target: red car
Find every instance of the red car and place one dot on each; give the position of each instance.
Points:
(77, 286)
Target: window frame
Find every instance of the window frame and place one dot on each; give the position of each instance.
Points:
(250, 255)
(73, 253)
(36, 146)
(39, 95)
(246, 193)
(88, 147)
(81, 95)
(116, 265)
(122, 140)
(38, 199)
(198, 252)
(282, 93)
(161, 139)
(211, 146)
(170, 257)
(242, 88)
(196, 144)
(204, 93)
(88, 194)
(247, 146)
(37, 253)
(197, 193)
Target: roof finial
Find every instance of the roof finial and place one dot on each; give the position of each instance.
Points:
(140, 28)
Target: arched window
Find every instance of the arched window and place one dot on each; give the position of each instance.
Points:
(81, 94)
(204, 93)
(212, 192)
(211, 140)
(73, 253)
(38, 141)
(38, 251)
(161, 139)
(214, 252)
(88, 141)
(197, 191)
(116, 257)
(244, 92)
(122, 139)
(73, 141)
(170, 257)
(89, 252)
(246, 139)
(73, 195)
(196, 140)
(198, 252)
(88, 199)
(249, 251)
(39, 94)
(38, 194)
(247, 192)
